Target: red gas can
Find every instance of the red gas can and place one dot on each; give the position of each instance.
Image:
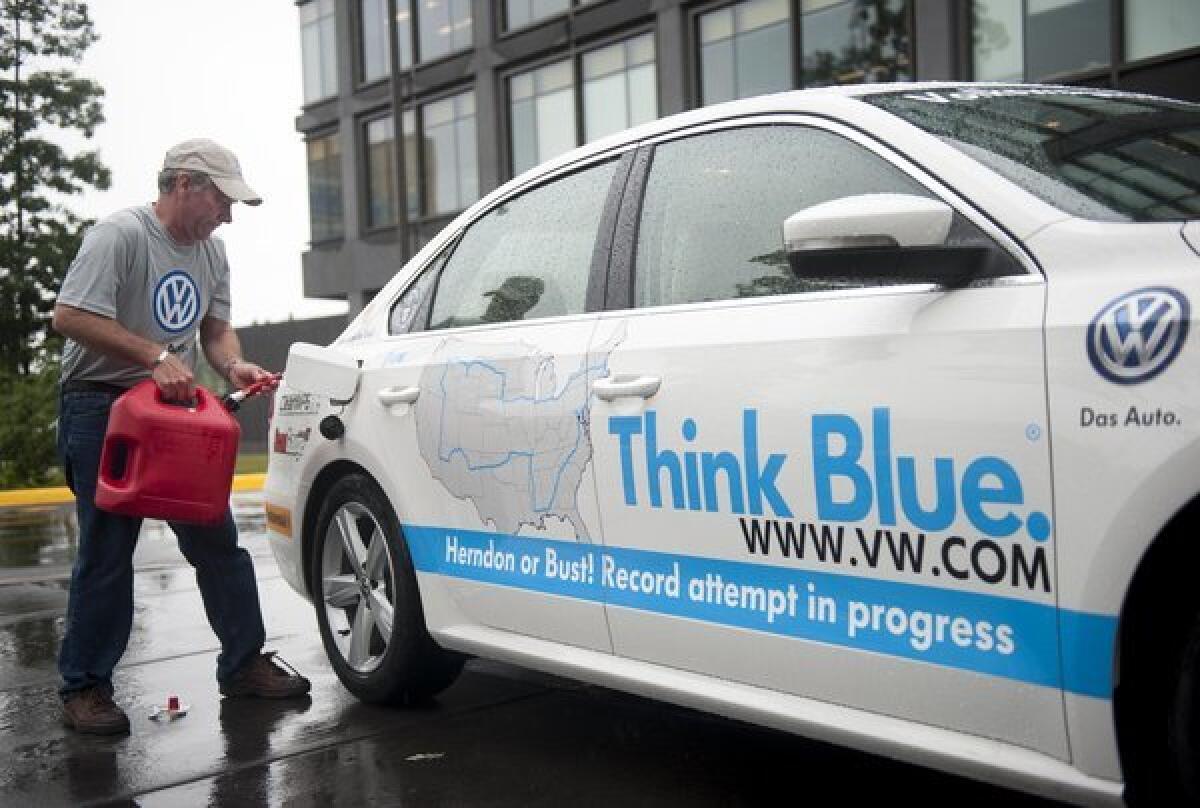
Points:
(168, 461)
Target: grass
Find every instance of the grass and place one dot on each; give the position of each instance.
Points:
(247, 463)
(251, 463)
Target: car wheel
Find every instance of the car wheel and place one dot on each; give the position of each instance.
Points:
(1183, 725)
(368, 606)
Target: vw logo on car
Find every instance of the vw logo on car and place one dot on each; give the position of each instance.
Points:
(176, 302)
(1137, 335)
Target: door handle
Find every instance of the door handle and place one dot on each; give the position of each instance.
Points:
(626, 386)
(390, 396)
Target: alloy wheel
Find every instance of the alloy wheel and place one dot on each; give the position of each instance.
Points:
(358, 586)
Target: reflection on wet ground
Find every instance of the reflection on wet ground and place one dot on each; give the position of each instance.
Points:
(47, 535)
(37, 547)
(499, 736)
(37, 536)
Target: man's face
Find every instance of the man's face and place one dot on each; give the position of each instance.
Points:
(205, 209)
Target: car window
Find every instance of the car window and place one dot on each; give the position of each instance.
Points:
(1093, 153)
(410, 310)
(712, 219)
(528, 258)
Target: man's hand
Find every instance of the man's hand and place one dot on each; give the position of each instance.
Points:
(174, 379)
(242, 374)
(224, 352)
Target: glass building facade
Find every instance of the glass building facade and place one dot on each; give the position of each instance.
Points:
(482, 91)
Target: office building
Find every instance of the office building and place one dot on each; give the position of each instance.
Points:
(416, 108)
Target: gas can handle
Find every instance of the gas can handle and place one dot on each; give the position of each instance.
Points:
(191, 403)
(118, 449)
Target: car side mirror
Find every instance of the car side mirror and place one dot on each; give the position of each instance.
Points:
(879, 239)
(320, 370)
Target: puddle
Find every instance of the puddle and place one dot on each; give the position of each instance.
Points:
(37, 536)
(47, 536)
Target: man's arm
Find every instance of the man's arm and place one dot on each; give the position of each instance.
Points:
(107, 336)
(224, 351)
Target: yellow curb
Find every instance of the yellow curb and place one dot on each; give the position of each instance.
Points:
(36, 496)
(61, 495)
(249, 482)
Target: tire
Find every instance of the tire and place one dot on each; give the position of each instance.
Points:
(1183, 722)
(368, 609)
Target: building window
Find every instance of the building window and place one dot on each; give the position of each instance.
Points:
(1161, 27)
(381, 173)
(441, 171)
(443, 27)
(1051, 38)
(619, 90)
(451, 175)
(325, 187)
(620, 87)
(318, 45)
(519, 13)
(745, 50)
(404, 33)
(998, 41)
(849, 42)
(412, 165)
(376, 50)
(1066, 36)
(542, 109)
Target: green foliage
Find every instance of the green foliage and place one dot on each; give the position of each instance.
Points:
(28, 409)
(251, 463)
(40, 97)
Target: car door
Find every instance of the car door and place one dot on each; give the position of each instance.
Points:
(479, 403)
(833, 486)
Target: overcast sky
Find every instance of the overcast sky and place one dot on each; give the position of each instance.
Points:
(224, 69)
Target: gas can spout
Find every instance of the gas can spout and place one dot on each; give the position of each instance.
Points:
(231, 401)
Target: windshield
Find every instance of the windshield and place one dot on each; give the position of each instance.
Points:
(1098, 154)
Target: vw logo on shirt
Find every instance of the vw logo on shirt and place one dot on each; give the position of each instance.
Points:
(1136, 336)
(176, 302)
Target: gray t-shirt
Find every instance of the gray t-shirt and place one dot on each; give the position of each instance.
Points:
(129, 269)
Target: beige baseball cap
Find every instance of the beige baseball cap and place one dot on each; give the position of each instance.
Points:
(219, 163)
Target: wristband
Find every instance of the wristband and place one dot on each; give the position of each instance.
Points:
(162, 357)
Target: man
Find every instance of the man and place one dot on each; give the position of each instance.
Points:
(146, 282)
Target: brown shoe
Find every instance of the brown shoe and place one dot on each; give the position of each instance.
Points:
(92, 711)
(264, 679)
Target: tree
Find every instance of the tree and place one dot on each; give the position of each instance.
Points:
(40, 96)
(27, 437)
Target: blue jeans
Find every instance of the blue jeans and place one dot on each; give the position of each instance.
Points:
(100, 607)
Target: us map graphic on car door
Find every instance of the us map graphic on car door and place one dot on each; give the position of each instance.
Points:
(505, 426)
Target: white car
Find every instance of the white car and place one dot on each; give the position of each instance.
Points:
(866, 413)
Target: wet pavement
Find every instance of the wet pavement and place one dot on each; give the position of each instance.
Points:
(500, 736)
